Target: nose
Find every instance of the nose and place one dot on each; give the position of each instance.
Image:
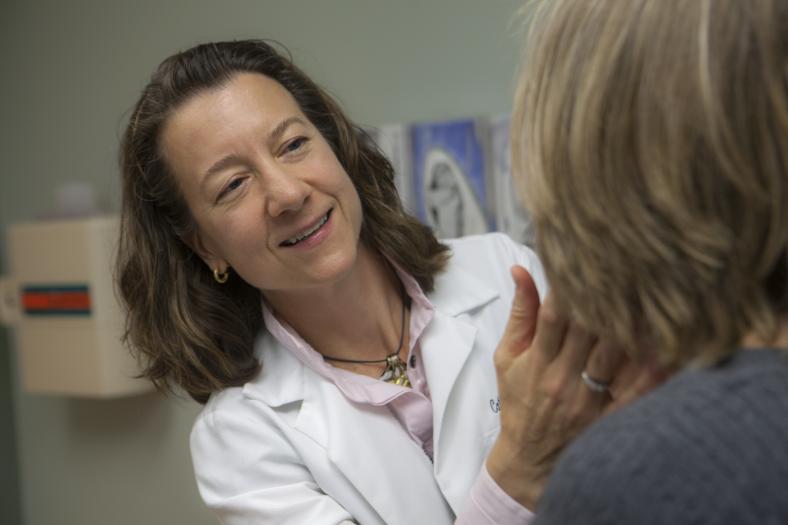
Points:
(285, 192)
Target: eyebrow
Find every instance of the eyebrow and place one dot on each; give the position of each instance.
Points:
(280, 128)
(233, 159)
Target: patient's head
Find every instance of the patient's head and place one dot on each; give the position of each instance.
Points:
(650, 143)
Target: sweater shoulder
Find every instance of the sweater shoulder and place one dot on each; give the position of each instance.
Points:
(707, 446)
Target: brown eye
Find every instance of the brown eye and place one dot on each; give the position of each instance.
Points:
(295, 145)
(231, 187)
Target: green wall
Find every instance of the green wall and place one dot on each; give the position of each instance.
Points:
(70, 72)
(9, 474)
(10, 502)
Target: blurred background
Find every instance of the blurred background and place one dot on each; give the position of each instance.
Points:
(70, 72)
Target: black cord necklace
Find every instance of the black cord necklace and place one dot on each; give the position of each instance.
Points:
(395, 367)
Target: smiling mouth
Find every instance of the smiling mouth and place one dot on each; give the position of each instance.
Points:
(292, 241)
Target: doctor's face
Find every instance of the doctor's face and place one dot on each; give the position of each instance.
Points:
(269, 196)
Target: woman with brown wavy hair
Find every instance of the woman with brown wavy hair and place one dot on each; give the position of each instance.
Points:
(651, 140)
(344, 355)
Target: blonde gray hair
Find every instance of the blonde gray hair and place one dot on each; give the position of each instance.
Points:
(650, 143)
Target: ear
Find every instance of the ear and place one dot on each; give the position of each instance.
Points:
(206, 251)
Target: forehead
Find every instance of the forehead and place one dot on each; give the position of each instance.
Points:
(225, 119)
(243, 93)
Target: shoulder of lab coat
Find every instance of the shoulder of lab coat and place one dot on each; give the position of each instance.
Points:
(288, 447)
(488, 257)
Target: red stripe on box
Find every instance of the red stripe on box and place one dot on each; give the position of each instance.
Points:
(56, 300)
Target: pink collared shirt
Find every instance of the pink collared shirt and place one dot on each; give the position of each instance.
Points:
(487, 504)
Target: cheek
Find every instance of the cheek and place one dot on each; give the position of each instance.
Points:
(356, 210)
(234, 235)
(243, 235)
(343, 187)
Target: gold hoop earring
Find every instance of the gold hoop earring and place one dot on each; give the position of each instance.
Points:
(222, 277)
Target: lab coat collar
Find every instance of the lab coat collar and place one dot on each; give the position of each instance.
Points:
(457, 291)
(281, 380)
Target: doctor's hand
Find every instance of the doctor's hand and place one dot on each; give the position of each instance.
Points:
(544, 401)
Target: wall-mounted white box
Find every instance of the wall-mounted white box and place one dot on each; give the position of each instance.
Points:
(60, 299)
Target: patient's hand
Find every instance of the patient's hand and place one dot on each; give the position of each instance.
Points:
(544, 401)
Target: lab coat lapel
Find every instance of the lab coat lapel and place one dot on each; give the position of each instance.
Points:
(449, 339)
(365, 443)
(374, 453)
(446, 346)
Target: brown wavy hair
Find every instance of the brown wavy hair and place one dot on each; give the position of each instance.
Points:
(650, 139)
(186, 330)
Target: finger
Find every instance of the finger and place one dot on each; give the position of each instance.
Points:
(521, 325)
(603, 362)
(550, 331)
(575, 350)
(601, 366)
(563, 376)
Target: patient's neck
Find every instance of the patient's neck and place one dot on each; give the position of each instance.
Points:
(753, 340)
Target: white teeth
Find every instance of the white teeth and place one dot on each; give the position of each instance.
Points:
(299, 238)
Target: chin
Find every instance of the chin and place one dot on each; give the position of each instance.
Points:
(337, 267)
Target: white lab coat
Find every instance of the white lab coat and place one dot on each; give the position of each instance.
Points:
(290, 448)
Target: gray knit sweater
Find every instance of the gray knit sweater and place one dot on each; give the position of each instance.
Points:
(710, 446)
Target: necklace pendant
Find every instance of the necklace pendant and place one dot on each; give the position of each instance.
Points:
(395, 371)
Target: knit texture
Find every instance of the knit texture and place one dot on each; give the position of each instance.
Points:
(710, 446)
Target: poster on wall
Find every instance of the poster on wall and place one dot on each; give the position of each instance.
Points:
(449, 177)
(394, 141)
(511, 216)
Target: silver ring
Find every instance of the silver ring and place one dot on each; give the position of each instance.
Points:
(593, 384)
